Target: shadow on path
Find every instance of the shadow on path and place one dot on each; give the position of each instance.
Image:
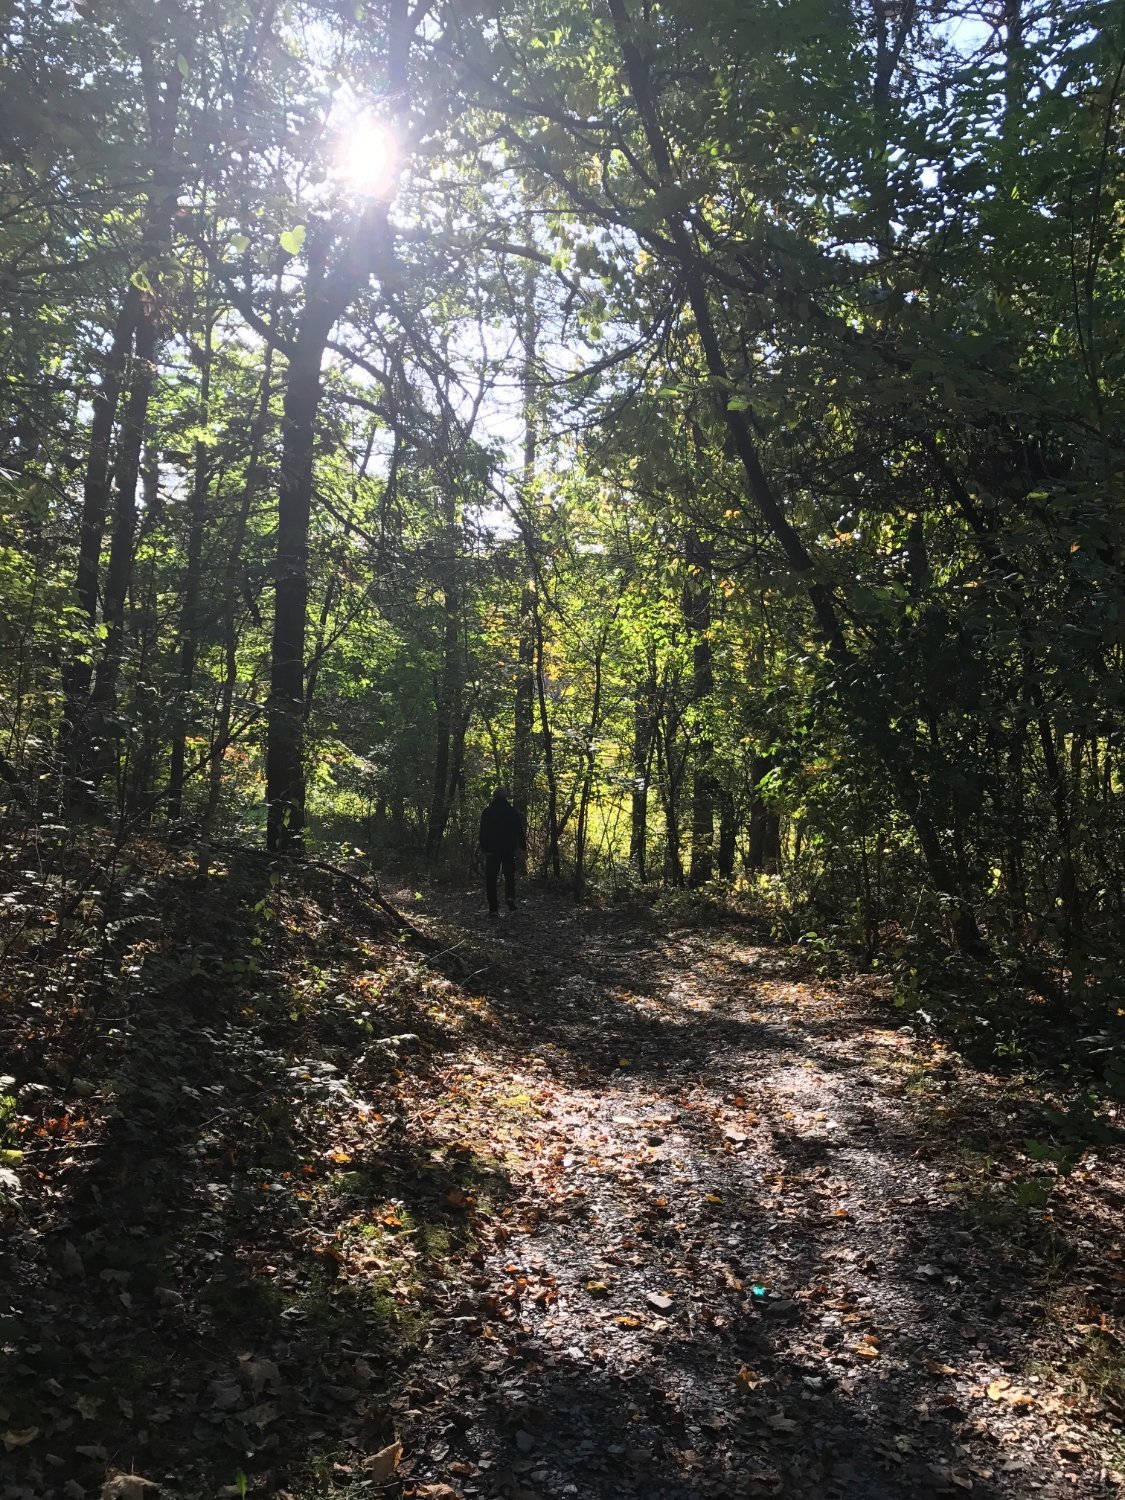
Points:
(759, 1282)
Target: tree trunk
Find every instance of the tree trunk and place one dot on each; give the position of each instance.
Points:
(697, 617)
(148, 711)
(551, 856)
(644, 727)
(669, 778)
(96, 494)
(103, 700)
(221, 734)
(190, 622)
(327, 297)
(589, 769)
(451, 683)
(764, 852)
(136, 329)
(523, 771)
(727, 834)
(285, 769)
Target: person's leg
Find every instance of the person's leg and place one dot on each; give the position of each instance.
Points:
(510, 879)
(491, 880)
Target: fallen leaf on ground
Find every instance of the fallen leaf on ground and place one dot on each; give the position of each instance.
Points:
(128, 1487)
(14, 1438)
(381, 1466)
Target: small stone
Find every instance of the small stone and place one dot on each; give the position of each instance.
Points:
(782, 1308)
(524, 1441)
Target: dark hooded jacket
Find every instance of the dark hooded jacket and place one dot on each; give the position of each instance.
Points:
(501, 828)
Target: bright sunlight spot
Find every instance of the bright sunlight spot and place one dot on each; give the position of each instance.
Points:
(365, 156)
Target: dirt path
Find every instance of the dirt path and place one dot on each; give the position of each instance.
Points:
(563, 1206)
(740, 1250)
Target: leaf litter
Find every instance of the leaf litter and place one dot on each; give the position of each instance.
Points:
(626, 1214)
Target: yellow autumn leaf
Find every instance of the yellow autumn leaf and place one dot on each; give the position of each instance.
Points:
(380, 1467)
(20, 1438)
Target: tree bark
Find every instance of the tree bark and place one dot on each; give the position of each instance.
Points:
(103, 699)
(190, 622)
(551, 855)
(96, 494)
(285, 770)
(696, 605)
(764, 852)
(590, 765)
(644, 728)
(727, 834)
(523, 771)
(221, 734)
(451, 681)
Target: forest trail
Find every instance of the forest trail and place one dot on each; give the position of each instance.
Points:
(735, 1258)
(562, 1205)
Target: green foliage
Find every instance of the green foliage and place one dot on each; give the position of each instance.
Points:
(897, 692)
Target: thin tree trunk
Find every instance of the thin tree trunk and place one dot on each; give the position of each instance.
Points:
(220, 737)
(96, 494)
(145, 613)
(103, 699)
(669, 778)
(136, 328)
(551, 856)
(763, 854)
(451, 682)
(189, 617)
(590, 766)
(522, 767)
(727, 834)
(697, 617)
(285, 770)
(522, 771)
(644, 711)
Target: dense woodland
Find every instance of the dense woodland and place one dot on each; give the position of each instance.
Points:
(705, 419)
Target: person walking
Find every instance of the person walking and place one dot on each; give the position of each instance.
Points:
(501, 834)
